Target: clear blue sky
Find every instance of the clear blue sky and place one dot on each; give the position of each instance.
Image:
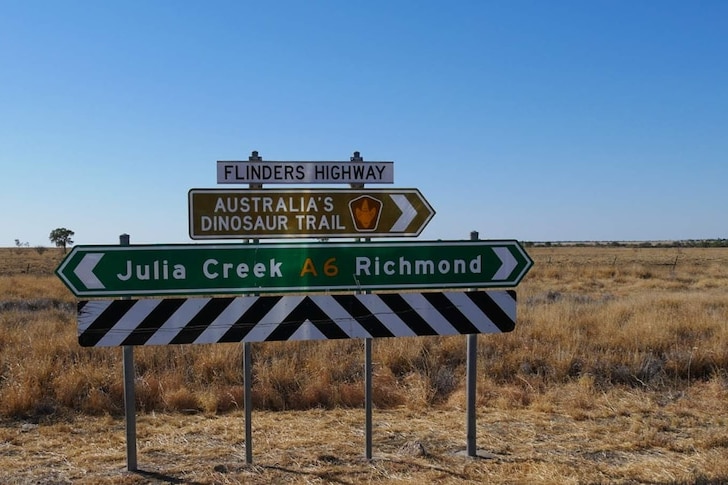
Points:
(532, 120)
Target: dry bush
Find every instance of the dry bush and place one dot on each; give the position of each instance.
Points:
(387, 393)
(218, 364)
(222, 399)
(181, 399)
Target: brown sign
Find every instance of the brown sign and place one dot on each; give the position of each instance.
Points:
(306, 213)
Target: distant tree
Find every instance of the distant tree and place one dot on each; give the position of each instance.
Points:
(61, 237)
(19, 245)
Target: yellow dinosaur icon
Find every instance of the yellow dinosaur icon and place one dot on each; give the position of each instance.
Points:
(365, 215)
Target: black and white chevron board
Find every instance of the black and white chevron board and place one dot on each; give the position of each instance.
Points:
(105, 323)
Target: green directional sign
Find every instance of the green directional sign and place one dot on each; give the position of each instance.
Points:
(98, 271)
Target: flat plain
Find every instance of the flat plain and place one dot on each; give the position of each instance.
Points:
(617, 372)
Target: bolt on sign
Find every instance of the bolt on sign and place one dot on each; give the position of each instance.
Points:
(305, 213)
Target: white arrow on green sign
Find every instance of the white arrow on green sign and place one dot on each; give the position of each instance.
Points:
(178, 269)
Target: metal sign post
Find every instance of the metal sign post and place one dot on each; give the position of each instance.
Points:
(248, 359)
(129, 393)
(368, 380)
(471, 389)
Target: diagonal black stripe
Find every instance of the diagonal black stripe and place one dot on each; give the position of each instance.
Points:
(307, 310)
(407, 314)
(152, 322)
(249, 319)
(322, 321)
(451, 313)
(202, 320)
(80, 305)
(492, 310)
(353, 305)
(103, 322)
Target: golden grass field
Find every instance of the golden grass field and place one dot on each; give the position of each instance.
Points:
(617, 372)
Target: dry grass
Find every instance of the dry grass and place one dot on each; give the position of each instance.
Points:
(35, 261)
(617, 372)
(624, 436)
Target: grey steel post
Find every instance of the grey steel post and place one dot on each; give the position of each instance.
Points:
(367, 360)
(368, 398)
(472, 374)
(248, 363)
(129, 394)
(247, 376)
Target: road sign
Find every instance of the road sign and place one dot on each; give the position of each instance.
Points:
(306, 213)
(268, 172)
(104, 323)
(137, 270)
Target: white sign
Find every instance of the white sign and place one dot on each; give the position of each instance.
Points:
(265, 172)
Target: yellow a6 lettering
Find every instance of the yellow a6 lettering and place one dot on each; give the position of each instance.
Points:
(330, 268)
